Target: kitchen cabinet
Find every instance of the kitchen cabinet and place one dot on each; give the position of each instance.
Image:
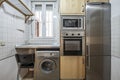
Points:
(72, 67)
(26, 73)
(72, 7)
(97, 0)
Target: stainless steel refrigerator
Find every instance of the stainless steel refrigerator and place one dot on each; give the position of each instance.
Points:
(98, 41)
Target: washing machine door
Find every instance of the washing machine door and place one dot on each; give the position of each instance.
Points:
(48, 65)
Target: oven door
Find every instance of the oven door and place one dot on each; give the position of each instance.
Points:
(72, 46)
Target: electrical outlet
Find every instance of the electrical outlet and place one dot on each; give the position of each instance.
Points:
(2, 43)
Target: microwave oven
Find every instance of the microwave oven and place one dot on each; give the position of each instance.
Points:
(72, 22)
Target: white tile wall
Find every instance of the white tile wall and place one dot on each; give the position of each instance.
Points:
(115, 27)
(115, 68)
(8, 69)
(10, 21)
(116, 35)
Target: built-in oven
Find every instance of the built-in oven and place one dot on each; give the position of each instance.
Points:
(72, 22)
(73, 43)
(72, 46)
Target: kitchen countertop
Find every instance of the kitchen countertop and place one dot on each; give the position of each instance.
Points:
(36, 46)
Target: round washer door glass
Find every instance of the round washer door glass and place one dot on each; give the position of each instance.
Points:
(48, 65)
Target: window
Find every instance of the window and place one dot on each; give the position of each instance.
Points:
(38, 20)
(49, 20)
(44, 20)
(45, 23)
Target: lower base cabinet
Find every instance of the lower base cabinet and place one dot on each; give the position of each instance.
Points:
(72, 67)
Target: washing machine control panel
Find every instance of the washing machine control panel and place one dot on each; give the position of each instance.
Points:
(48, 53)
(52, 54)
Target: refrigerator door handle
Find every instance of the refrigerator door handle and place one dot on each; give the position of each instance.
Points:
(87, 57)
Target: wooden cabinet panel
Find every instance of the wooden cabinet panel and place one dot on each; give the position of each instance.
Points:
(81, 69)
(98, 0)
(72, 67)
(68, 68)
(71, 7)
(75, 7)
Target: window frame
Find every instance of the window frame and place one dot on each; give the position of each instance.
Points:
(44, 10)
(56, 33)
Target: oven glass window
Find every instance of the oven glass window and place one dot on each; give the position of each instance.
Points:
(70, 22)
(72, 47)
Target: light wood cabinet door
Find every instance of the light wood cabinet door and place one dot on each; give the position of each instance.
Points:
(98, 0)
(81, 69)
(72, 7)
(72, 67)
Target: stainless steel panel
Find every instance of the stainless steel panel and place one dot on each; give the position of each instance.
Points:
(98, 41)
(98, 28)
(72, 33)
(99, 68)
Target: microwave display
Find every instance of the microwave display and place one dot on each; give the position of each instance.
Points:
(70, 22)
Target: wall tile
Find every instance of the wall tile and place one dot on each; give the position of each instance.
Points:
(9, 69)
(10, 21)
(115, 36)
(115, 68)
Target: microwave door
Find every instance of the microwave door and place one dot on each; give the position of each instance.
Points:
(70, 23)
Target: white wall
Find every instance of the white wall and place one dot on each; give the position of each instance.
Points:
(8, 69)
(11, 21)
(115, 23)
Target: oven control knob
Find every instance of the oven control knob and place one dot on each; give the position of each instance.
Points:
(72, 34)
(78, 33)
(66, 34)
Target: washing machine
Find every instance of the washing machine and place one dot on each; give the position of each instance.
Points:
(47, 65)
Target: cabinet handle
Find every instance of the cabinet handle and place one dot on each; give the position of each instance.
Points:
(87, 0)
(83, 8)
(86, 50)
(87, 57)
(83, 60)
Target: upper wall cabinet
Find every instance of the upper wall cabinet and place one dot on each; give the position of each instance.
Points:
(97, 0)
(72, 7)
